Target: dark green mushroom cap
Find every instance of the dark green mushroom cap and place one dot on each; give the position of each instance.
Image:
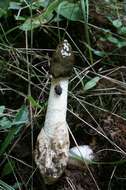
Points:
(62, 61)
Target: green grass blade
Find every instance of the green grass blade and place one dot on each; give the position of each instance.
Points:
(5, 186)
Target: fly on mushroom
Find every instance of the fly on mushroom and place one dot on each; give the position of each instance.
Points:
(58, 90)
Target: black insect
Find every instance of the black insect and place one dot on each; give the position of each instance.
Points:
(58, 90)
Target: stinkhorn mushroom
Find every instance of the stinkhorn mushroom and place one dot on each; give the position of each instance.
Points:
(52, 147)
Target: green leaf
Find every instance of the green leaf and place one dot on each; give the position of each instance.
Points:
(112, 39)
(14, 5)
(99, 53)
(5, 123)
(19, 18)
(96, 52)
(2, 12)
(45, 17)
(3, 7)
(117, 23)
(118, 42)
(2, 108)
(70, 10)
(40, 3)
(4, 4)
(5, 186)
(8, 168)
(122, 30)
(33, 102)
(92, 83)
(121, 43)
(21, 116)
(8, 139)
(20, 119)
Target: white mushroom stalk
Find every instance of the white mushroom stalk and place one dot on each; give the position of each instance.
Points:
(52, 147)
(51, 154)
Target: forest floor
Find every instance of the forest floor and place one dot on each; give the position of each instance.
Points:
(96, 103)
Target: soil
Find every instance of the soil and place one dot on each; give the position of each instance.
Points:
(107, 172)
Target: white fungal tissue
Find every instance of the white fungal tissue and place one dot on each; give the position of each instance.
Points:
(83, 152)
(65, 51)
